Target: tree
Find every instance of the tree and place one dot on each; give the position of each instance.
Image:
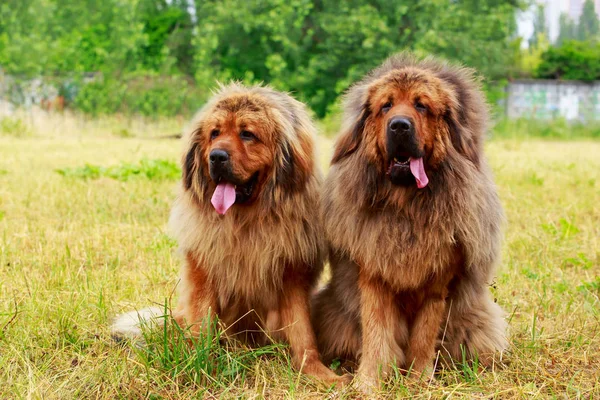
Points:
(314, 48)
(168, 30)
(574, 59)
(567, 29)
(539, 26)
(317, 49)
(531, 57)
(589, 25)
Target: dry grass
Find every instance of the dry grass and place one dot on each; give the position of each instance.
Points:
(75, 252)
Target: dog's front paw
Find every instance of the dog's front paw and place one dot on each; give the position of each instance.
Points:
(326, 375)
(424, 377)
(366, 384)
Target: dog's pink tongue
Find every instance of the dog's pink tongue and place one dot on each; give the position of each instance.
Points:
(223, 197)
(418, 171)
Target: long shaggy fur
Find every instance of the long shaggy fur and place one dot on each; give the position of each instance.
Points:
(255, 266)
(443, 240)
(247, 251)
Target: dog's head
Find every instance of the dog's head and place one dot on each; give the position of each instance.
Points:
(408, 115)
(248, 146)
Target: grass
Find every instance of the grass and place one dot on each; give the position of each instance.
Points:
(558, 129)
(75, 252)
(149, 169)
(203, 364)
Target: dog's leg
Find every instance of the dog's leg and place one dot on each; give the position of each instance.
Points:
(295, 321)
(476, 328)
(380, 319)
(198, 299)
(424, 333)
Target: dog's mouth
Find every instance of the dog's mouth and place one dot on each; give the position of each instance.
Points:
(405, 169)
(227, 193)
(399, 163)
(243, 192)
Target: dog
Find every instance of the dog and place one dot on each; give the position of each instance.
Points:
(247, 223)
(413, 224)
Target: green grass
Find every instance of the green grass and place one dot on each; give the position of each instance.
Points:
(149, 169)
(76, 252)
(200, 365)
(555, 129)
(14, 126)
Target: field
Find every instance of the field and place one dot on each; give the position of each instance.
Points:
(79, 245)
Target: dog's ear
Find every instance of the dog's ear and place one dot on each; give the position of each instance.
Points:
(192, 170)
(350, 140)
(294, 166)
(190, 166)
(467, 112)
(461, 138)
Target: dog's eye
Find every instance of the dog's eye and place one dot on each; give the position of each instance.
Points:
(386, 107)
(420, 107)
(214, 133)
(247, 135)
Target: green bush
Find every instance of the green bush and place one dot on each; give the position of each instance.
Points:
(14, 126)
(555, 129)
(575, 60)
(145, 95)
(149, 169)
(148, 51)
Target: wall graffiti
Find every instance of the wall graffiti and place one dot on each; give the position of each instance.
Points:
(546, 99)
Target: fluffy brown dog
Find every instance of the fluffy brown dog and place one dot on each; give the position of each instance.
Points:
(413, 222)
(247, 223)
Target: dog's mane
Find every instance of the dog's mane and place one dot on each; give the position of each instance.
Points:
(467, 116)
(381, 224)
(253, 243)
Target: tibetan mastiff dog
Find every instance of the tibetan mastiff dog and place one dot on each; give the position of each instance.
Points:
(413, 224)
(247, 223)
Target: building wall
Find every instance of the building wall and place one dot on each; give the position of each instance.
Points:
(548, 99)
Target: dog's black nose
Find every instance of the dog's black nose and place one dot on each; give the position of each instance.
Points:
(400, 125)
(219, 156)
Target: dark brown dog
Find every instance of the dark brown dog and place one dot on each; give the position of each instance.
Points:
(247, 223)
(413, 221)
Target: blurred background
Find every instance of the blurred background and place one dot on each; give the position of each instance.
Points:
(160, 58)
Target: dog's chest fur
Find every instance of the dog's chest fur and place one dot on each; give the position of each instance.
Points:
(389, 245)
(409, 242)
(247, 259)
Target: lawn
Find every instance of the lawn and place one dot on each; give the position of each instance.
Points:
(79, 245)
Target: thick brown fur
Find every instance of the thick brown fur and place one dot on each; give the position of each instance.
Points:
(255, 266)
(411, 268)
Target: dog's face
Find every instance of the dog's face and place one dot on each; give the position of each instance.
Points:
(406, 121)
(239, 145)
(405, 125)
(245, 148)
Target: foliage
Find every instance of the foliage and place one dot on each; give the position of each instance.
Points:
(318, 49)
(314, 49)
(149, 169)
(531, 57)
(567, 29)
(14, 126)
(554, 129)
(587, 28)
(145, 94)
(44, 37)
(539, 26)
(589, 25)
(572, 60)
(168, 29)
